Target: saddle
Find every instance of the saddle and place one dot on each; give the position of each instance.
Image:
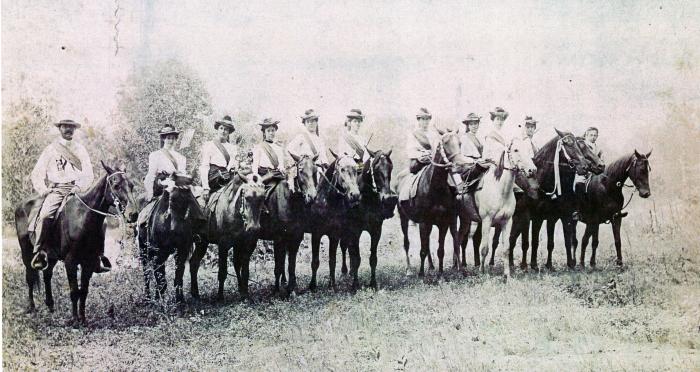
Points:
(34, 212)
(408, 186)
(473, 175)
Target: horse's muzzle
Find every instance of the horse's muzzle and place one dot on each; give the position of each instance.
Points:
(644, 193)
(132, 217)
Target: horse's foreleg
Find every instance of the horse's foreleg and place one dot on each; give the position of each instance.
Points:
(159, 273)
(535, 240)
(594, 243)
(507, 253)
(425, 229)
(406, 242)
(463, 237)
(494, 245)
(485, 229)
(72, 276)
(354, 251)
(200, 249)
(293, 249)
(574, 240)
(180, 260)
(568, 225)
(375, 234)
(280, 250)
(521, 229)
(616, 223)
(85, 276)
(442, 231)
(344, 251)
(315, 262)
(32, 278)
(551, 224)
(456, 263)
(48, 274)
(476, 242)
(223, 267)
(146, 265)
(584, 243)
(332, 252)
(244, 264)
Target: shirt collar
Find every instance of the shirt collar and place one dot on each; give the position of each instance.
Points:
(65, 142)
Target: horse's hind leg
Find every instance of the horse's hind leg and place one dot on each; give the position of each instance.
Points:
(280, 250)
(315, 262)
(425, 229)
(375, 234)
(200, 249)
(354, 250)
(32, 277)
(85, 276)
(293, 249)
(594, 243)
(332, 252)
(616, 223)
(476, 242)
(223, 268)
(521, 229)
(72, 276)
(159, 273)
(456, 263)
(463, 237)
(406, 241)
(584, 243)
(551, 224)
(507, 253)
(344, 251)
(48, 274)
(442, 231)
(485, 229)
(536, 226)
(494, 244)
(180, 260)
(147, 266)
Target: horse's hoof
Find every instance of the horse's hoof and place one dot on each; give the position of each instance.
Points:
(30, 310)
(592, 264)
(421, 274)
(220, 297)
(505, 278)
(373, 284)
(618, 262)
(344, 270)
(409, 272)
(312, 286)
(51, 308)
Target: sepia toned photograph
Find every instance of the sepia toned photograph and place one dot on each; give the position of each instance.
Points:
(350, 186)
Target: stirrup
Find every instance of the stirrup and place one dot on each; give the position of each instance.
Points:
(40, 261)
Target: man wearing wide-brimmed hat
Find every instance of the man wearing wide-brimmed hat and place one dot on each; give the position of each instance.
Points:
(471, 146)
(308, 141)
(218, 158)
(530, 129)
(66, 166)
(351, 143)
(421, 144)
(268, 155)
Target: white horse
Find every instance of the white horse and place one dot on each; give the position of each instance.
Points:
(494, 202)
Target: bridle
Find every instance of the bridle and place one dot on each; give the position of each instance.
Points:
(557, 177)
(636, 189)
(335, 175)
(443, 154)
(297, 166)
(373, 183)
(116, 201)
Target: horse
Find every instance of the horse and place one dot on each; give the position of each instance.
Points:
(283, 222)
(568, 154)
(493, 203)
(521, 221)
(233, 221)
(337, 194)
(168, 231)
(78, 235)
(377, 204)
(434, 202)
(603, 200)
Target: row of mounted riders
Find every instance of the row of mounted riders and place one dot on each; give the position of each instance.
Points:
(341, 202)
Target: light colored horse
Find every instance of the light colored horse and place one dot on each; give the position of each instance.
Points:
(495, 201)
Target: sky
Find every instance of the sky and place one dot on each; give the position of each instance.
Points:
(614, 65)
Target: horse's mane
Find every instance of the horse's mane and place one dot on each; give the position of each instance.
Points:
(546, 152)
(617, 168)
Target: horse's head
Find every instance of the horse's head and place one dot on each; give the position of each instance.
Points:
(571, 152)
(252, 195)
(120, 192)
(520, 158)
(639, 173)
(344, 173)
(595, 165)
(306, 179)
(180, 199)
(378, 175)
(449, 150)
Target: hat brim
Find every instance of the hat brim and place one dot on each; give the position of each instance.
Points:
(504, 115)
(77, 125)
(361, 117)
(533, 123)
(175, 132)
(228, 125)
(305, 118)
(265, 125)
(471, 121)
(424, 116)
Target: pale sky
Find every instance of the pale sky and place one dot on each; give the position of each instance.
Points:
(569, 64)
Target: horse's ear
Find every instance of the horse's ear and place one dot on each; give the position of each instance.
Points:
(388, 154)
(649, 153)
(442, 132)
(315, 158)
(559, 133)
(637, 154)
(295, 157)
(334, 154)
(121, 166)
(371, 153)
(106, 167)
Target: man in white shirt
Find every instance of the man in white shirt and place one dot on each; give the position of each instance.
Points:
(66, 166)
(308, 141)
(421, 144)
(218, 158)
(351, 143)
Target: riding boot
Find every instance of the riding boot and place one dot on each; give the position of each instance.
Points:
(40, 261)
(104, 265)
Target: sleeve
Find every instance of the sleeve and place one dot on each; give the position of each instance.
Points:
(38, 175)
(294, 144)
(343, 148)
(204, 166)
(282, 166)
(322, 152)
(150, 176)
(413, 148)
(86, 175)
(467, 149)
(256, 159)
(233, 162)
(600, 155)
(492, 149)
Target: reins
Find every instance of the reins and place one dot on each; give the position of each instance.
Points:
(557, 176)
(116, 202)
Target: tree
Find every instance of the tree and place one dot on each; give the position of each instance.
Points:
(164, 93)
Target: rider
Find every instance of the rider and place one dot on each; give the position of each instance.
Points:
(471, 147)
(161, 164)
(420, 146)
(590, 136)
(308, 142)
(67, 167)
(494, 141)
(527, 144)
(218, 158)
(268, 156)
(351, 143)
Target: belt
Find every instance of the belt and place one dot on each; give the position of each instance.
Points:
(64, 184)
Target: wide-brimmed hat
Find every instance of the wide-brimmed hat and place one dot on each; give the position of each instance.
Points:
(472, 117)
(168, 129)
(355, 114)
(268, 122)
(423, 114)
(530, 121)
(309, 114)
(226, 122)
(500, 112)
(67, 122)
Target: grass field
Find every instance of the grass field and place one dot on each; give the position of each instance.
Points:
(645, 316)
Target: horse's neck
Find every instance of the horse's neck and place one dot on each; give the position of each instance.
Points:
(95, 196)
(503, 185)
(546, 176)
(619, 173)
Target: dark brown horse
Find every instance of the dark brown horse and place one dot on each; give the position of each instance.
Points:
(168, 231)
(337, 194)
(233, 221)
(434, 202)
(376, 205)
(559, 204)
(603, 200)
(78, 236)
(283, 221)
